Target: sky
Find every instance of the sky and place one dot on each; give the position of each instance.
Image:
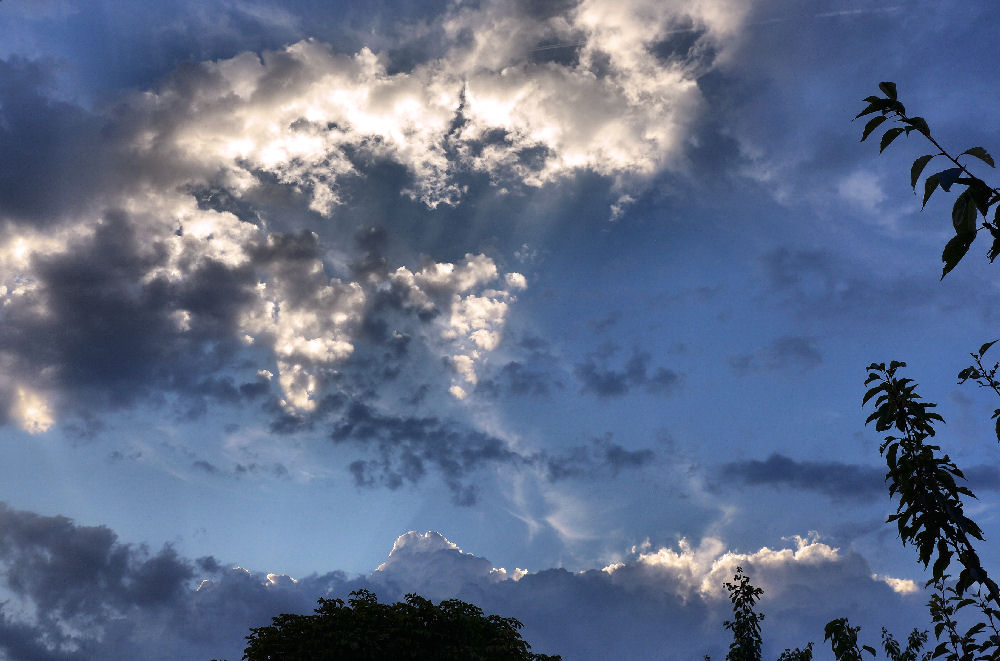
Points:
(558, 307)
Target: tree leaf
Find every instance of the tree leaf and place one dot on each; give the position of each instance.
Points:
(981, 154)
(888, 137)
(941, 564)
(872, 125)
(981, 194)
(889, 89)
(871, 392)
(955, 250)
(948, 177)
(983, 349)
(874, 106)
(963, 213)
(918, 167)
(930, 184)
(975, 628)
(918, 124)
(994, 250)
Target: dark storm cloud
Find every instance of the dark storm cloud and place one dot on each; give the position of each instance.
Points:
(603, 381)
(23, 642)
(109, 334)
(790, 352)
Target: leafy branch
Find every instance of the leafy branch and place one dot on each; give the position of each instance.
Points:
(985, 377)
(977, 198)
(914, 643)
(930, 513)
(944, 606)
(844, 640)
(745, 624)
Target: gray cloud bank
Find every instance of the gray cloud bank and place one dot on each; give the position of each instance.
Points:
(76, 592)
(835, 479)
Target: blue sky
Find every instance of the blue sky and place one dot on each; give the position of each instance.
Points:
(579, 292)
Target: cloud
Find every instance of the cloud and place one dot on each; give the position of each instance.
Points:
(482, 103)
(432, 566)
(472, 315)
(837, 480)
(176, 245)
(520, 381)
(195, 243)
(51, 141)
(816, 284)
(602, 457)
(608, 382)
(406, 447)
(789, 352)
(76, 593)
(900, 585)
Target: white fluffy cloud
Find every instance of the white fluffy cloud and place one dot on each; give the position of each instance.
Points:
(474, 313)
(702, 570)
(485, 103)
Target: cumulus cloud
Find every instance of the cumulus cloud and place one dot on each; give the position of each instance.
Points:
(76, 592)
(483, 103)
(472, 316)
(433, 566)
(182, 242)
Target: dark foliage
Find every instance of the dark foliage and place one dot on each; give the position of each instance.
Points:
(365, 630)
